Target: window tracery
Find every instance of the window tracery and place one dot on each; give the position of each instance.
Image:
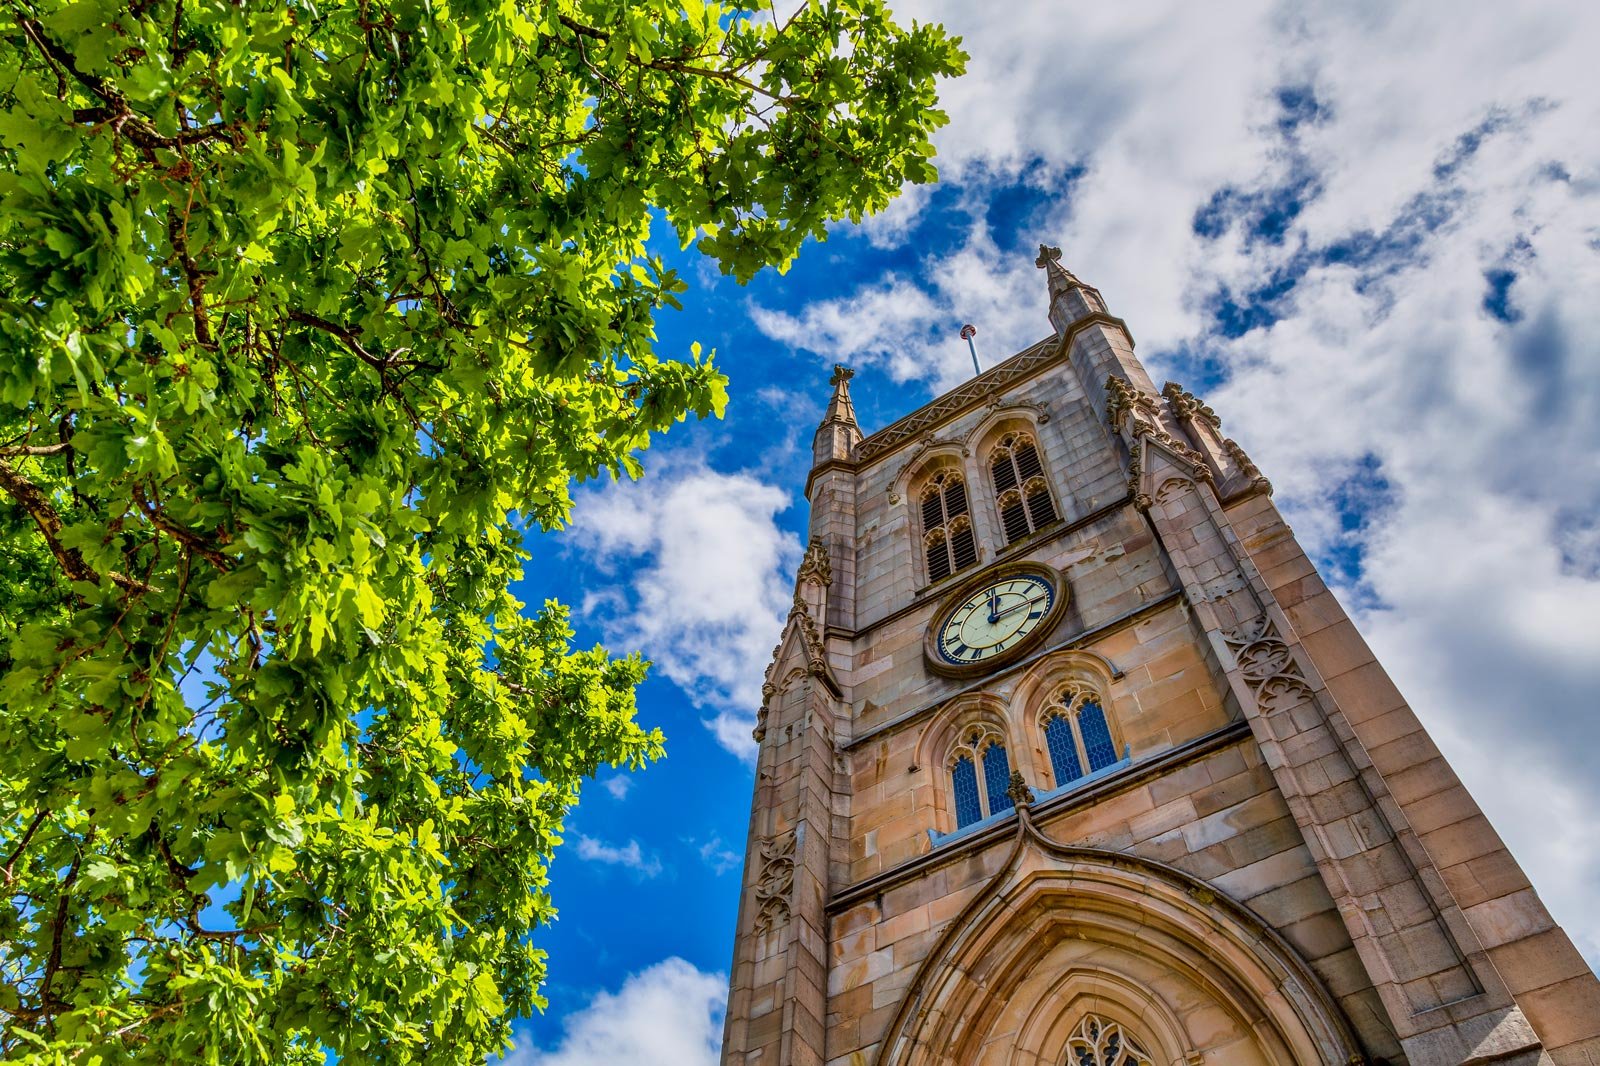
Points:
(980, 773)
(947, 539)
(1100, 1042)
(1022, 492)
(1077, 734)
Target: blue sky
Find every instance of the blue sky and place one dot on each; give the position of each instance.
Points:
(1369, 237)
(662, 874)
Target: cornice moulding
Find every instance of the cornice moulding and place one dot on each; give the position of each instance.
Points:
(970, 394)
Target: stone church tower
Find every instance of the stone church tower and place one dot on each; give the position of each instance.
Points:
(1069, 758)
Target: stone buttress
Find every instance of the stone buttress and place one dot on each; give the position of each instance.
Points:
(1274, 866)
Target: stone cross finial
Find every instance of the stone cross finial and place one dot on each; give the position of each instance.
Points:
(1047, 255)
(1018, 790)
(838, 435)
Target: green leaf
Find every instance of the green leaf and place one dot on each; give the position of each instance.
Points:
(327, 303)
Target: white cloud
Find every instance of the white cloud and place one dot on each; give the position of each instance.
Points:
(891, 227)
(704, 581)
(628, 855)
(914, 332)
(618, 785)
(717, 855)
(667, 1015)
(1433, 145)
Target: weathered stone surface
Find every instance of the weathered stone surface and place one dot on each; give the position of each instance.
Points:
(1278, 822)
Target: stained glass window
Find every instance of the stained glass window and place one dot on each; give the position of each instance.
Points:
(1098, 1042)
(965, 775)
(1064, 761)
(1097, 741)
(996, 777)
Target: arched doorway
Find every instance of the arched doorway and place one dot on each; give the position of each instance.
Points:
(1066, 940)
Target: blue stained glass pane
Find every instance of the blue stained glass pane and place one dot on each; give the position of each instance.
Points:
(1064, 761)
(996, 777)
(1096, 736)
(966, 780)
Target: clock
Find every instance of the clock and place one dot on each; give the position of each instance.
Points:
(994, 618)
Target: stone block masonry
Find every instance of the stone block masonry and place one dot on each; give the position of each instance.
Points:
(1199, 814)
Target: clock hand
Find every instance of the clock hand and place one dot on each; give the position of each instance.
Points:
(994, 607)
(1016, 607)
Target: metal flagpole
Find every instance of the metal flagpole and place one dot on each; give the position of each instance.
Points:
(969, 331)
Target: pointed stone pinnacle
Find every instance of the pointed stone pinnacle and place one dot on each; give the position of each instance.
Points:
(838, 434)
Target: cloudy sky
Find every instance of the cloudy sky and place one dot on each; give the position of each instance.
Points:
(1367, 233)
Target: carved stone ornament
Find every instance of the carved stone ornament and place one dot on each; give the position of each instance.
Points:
(776, 880)
(1186, 405)
(1019, 792)
(1047, 255)
(959, 399)
(926, 445)
(1246, 467)
(815, 567)
(1041, 411)
(816, 654)
(810, 638)
(768, 690)
(1268, 665)
(1121, 398)
(1137, 411)
(1099, 1042)
(1141, 499)
(840, 373)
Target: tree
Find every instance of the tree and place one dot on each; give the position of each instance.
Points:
(309, 308)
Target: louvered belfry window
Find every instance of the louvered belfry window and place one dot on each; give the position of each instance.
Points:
(1021, 492)
(947, 537)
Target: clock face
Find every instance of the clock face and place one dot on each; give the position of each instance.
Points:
(994, 619)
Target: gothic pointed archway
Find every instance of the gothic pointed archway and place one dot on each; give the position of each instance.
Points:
(1067, 933)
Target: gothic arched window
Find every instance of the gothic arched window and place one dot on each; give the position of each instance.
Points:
(1022, 493)
(980, 773)
(947, 539)
(1077, 735)
(1099, 1042)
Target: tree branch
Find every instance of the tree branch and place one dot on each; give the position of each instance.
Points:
(63, 58)
(44, 515)
(351, 339)
(22, 845)
(17, 450)
(187, 537)
(144, 135)
(117, 114)
(671, 65)
(178, 235)
(58, 929)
